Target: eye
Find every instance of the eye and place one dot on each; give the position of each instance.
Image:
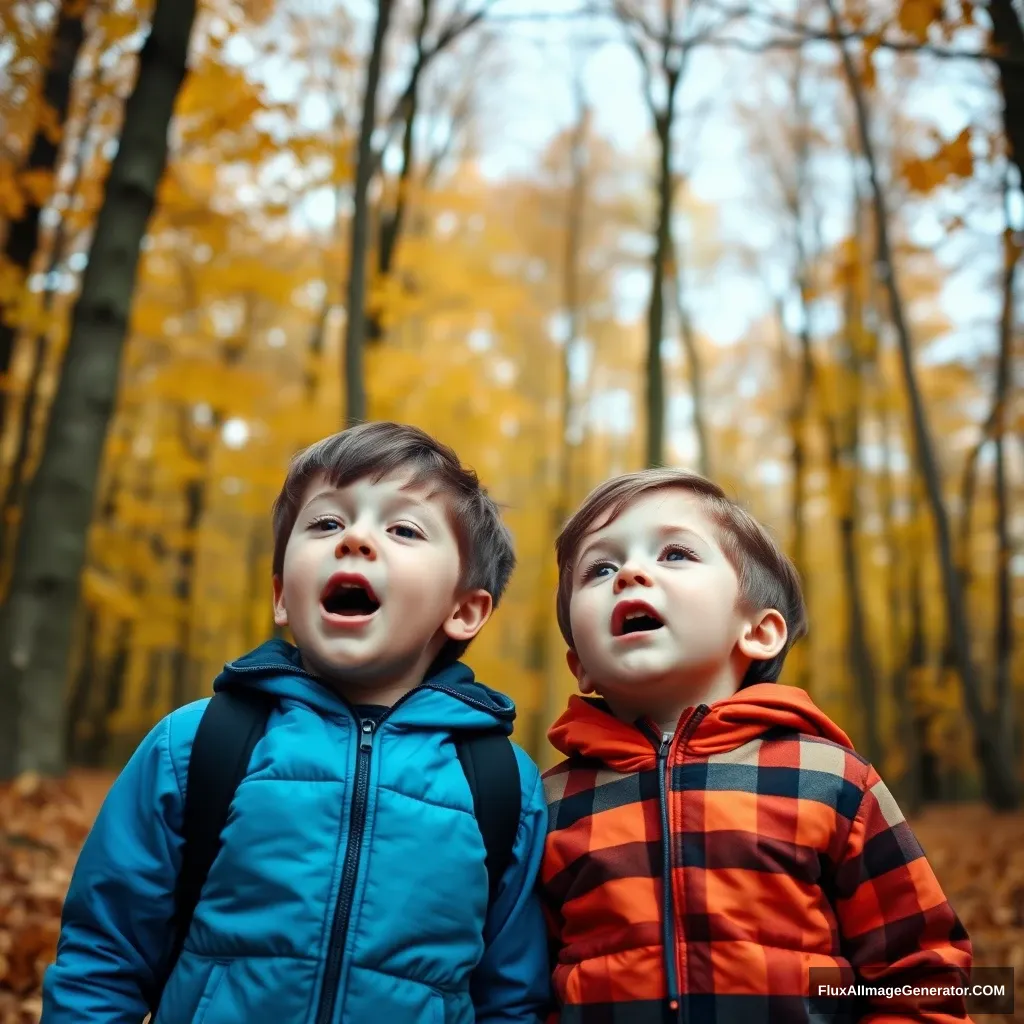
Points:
(324, 524)
(595, 570)
(678, 550)
(407, 532)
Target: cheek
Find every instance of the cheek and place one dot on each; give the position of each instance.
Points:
(583, 617)
(297, 573)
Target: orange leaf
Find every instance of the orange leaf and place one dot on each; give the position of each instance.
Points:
(917, 16)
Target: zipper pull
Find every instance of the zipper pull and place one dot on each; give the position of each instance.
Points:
(666, 742)
(366, 736)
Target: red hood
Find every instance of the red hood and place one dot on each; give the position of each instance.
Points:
(586, 729)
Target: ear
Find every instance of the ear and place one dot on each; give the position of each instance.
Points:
(469, 615)
(584, 681)
(280, 612)
(764, 636)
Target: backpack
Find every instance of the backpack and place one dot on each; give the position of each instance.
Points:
(231, 725)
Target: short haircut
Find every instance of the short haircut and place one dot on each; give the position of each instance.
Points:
(767, 577)
(378, 450)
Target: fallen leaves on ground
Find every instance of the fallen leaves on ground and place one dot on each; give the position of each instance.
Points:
(42, 825)
(975, 853)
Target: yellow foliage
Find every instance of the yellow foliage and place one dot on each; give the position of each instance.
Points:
(221, 382)
(107, 594)
(952, 159)
(12, 199)
(917, 16)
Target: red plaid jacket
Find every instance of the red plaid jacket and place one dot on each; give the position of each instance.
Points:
(701, 877)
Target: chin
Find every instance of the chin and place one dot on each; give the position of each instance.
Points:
(353, 666)
(642, 666)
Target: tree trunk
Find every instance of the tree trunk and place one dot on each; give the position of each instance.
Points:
(77, 727)
(182, 662)
(391, 222)
(796, 421)
(1008, 37)
(52, 542)
(799, 415)
(800, 406)
(844, 464)
(997, 768)
(571, 293)
(23, 233)
(910, 786)
(656, 306)
(355, 318)
(1004, 711)
(693, 361)
(17, 481)
(917, 660)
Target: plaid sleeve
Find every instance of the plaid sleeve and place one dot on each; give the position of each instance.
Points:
(553, 918)
(896, 924)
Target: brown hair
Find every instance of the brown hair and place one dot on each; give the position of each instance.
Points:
(376, 450)
(767, 578)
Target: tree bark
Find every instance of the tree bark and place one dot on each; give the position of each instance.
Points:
(355, 313)
(844, 464)
(795, 196)
(656, 306)
(23, 233)
(52, 542)
(917, 659)
(391, 222)
(571, 300)
(672, 59)
(1008, 36)
(796, 421)
(1004, 710)
(688, 336)
(910, 786)
(998, 773)
(13, 493)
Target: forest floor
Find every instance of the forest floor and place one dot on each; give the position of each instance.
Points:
(975, 853)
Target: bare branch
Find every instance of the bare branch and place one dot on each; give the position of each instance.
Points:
(799, 33)
(452, 30)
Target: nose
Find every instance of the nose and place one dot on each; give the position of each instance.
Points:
(356, 542)
(631, 576)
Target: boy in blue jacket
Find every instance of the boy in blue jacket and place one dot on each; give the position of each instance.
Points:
(351, 884)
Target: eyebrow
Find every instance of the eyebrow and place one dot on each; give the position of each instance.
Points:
(401, 500)
(663, 532)
(405, 500)
(330, 493)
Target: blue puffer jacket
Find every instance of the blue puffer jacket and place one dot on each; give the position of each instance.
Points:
(416, 948)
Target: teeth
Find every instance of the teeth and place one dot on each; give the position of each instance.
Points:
(639, 615)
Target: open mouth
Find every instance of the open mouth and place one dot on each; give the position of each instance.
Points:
(349, 596)
(635, 617)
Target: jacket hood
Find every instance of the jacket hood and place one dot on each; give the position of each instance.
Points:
(450, 698)
(588, 728)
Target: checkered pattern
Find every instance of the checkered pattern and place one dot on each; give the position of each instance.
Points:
(787, 852)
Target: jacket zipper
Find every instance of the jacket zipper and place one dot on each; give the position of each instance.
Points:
(350, 867)
(668, 931)
(668, 928)
(343, 908)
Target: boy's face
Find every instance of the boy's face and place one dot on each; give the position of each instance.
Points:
(369, 586)
(655, 606)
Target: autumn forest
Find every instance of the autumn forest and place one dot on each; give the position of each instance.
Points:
(775, 242)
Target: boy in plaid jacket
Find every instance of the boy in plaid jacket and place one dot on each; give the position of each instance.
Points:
(713, 836)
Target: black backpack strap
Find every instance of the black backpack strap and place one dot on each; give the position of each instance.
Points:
(491, 768)
(232, 724)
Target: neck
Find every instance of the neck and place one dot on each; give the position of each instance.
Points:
(667, 702)
(366, 686)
